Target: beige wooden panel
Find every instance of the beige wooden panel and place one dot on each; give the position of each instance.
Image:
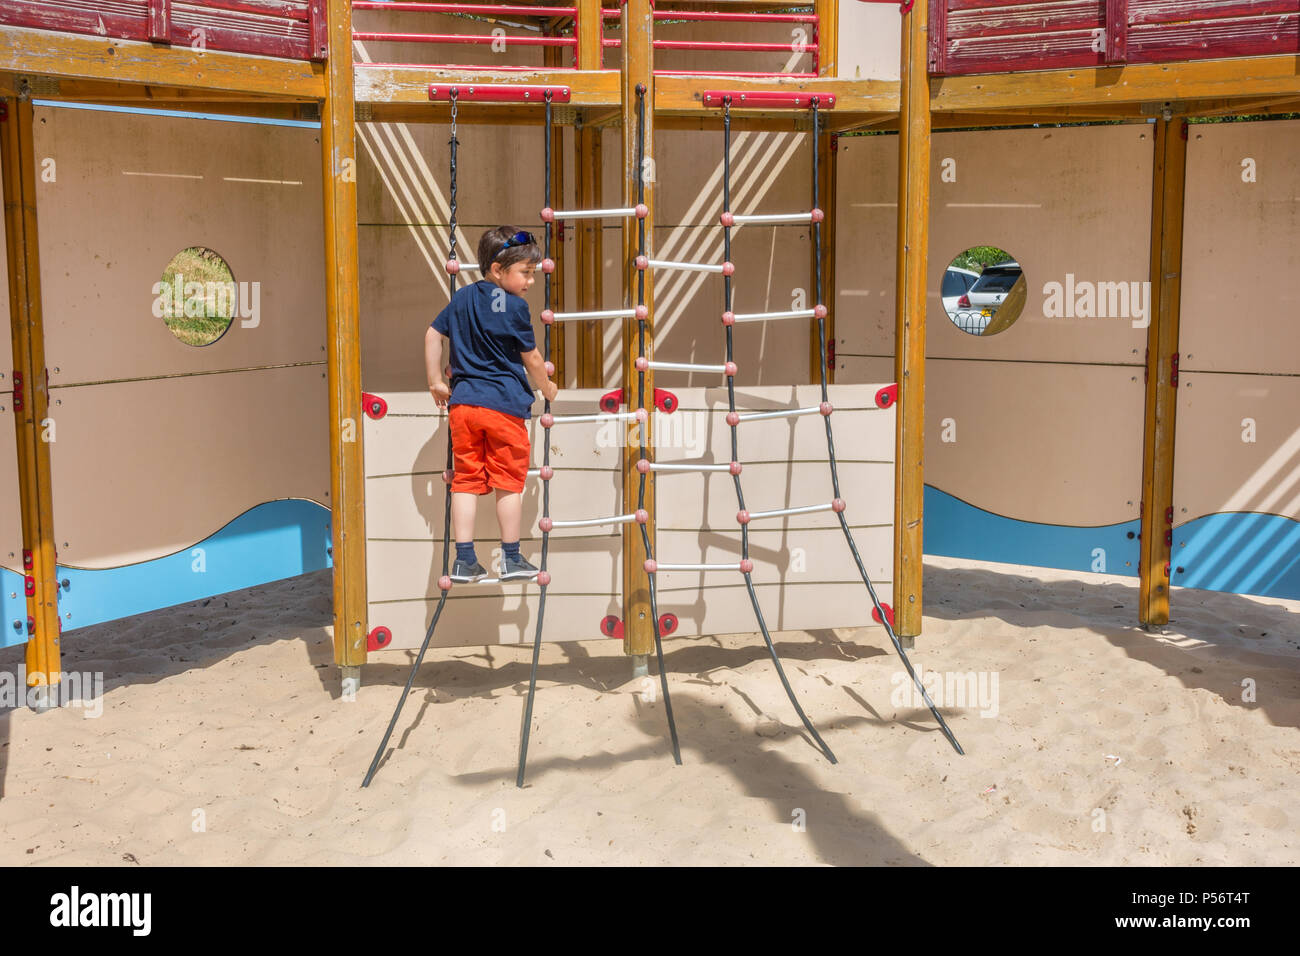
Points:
(867, 488)
(11, 516)
(770, 173)
(869, 41)
(1060, 444)
(130, 192)
(727, 609)
(143, 469)
(797, 556)
(489, 617)
(1241, 248)
(1071, 201)
(402, 570)
(862, 431)
(1215, 469)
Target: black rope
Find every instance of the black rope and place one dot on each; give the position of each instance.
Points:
(830, 443)
(731, 408)
(446, 516)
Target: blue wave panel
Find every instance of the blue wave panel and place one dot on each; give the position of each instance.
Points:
(956, 529)
(275, 540)
(1241, 552)
(13, 605)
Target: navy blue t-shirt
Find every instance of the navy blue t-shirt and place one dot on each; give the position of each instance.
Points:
(489, 329)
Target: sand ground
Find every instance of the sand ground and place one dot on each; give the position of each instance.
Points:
(222, 740)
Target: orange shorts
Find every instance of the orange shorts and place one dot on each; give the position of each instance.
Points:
(490, 450)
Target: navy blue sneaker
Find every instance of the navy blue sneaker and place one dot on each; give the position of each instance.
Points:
(516, 568)
(464, 572)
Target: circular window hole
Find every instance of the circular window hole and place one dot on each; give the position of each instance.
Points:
(984, 290)
(197, 296)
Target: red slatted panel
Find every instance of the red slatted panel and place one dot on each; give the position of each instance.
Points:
(280, 28)
(986, 36)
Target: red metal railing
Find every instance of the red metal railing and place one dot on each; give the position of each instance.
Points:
(568, 37)
(289, 29)
(986, 36)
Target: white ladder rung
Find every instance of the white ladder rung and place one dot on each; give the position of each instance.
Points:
(592, 522)
(806, 509)
(658, 466)
(684, 266)
(765, 316)
(597, 314)
(613, 213)
(697, 567)
(784, 413)
(597, 417)
(771, 218)
(686, 367)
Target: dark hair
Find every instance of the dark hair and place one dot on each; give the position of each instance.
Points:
(491, 248)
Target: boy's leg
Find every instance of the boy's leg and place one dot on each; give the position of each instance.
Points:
(510, 508)
(470, 479)
(464, 506)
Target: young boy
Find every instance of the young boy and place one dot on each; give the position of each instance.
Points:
(494, 359)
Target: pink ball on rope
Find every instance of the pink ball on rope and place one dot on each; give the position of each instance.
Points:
(727, 219)
(728, 268)
(733, 419)
(746, 565)
(550, 368)
(837, 505)
(643, 466)
(642, 210)
(444, 583)
(825, 408)
(547, 316)
(452, 267)
(548, 266)
(735, 468)
(651, 566)
(547, 419)
(642, 516)
(818, 215)
(546, 472)
(728, 318)
(642, 415)
(642, 262)
(819, 312)
(447, 476)
(543, 578)
(729, 368)
(546, 524)
(642, 363)
(642, 312)
(742, 516)
(548, 214)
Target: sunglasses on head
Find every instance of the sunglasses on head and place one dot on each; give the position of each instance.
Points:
(518, 239)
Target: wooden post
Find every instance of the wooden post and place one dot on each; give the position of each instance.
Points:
(828, 156)
(590, 257)
(909, 360)
(31, 395)
(589, 28)
(553, 57)
(1167, 191)
(638, 66)
(828, 36)
(343, 370)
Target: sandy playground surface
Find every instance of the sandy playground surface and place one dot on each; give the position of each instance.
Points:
(222, 740)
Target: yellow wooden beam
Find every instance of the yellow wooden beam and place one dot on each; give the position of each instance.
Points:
(1243, 77)
(343, 353)
(590, 30)
(31, 386)
(407, 84)
(1167, 193)
(638, 58)
(909, 361)
(46, 53)
(828, 36)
